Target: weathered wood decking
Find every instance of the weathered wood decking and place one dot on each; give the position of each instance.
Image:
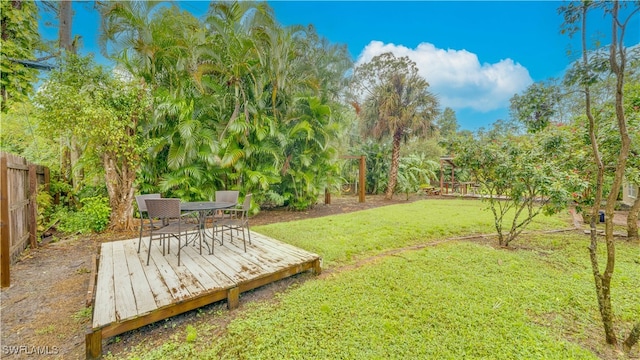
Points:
(129, 294)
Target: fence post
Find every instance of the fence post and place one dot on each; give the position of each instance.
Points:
(5, 236)
(32, 221)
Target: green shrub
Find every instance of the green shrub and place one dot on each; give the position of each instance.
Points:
(93, 216)
(44, 200)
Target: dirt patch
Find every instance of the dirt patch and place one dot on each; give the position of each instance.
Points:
(43, 312)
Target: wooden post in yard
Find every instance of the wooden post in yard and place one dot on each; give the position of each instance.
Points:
(233, 298)
(93, 344)
(327, 196)
(362, 177)
(5, 236)
(441, 176)
(32, 217)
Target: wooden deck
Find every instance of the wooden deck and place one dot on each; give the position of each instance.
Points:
(129, 294)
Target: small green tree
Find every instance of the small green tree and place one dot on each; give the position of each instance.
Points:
(520, 177)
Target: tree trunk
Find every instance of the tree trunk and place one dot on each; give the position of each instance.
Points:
(5, 36)
(602, 281)
(633, 338)
(64, 30)
(77, 173)
(632, 221)
(395, 164)
(120, 180)
(617, 61)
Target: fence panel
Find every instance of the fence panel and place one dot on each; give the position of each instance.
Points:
(19, 181)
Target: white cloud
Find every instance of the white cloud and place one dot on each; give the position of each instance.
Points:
(457, 77)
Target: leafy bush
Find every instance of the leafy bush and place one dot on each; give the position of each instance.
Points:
(44, 200)
(93, 216)
(414, 171)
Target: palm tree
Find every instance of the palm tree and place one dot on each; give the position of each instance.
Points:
(234, 27)
(396, 104)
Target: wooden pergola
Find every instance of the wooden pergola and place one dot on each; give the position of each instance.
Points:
(463, 187)
(444, 186)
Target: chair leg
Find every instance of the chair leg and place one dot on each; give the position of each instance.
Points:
(140, 236)
(214, 230)
(249, 232)
(149, 249)
(231, 228)
(179, 247)
(244, 242)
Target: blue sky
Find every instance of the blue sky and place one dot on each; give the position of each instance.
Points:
(475, 54)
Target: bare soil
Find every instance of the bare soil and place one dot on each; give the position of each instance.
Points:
(44, 313)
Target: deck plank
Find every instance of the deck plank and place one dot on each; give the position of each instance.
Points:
(277, 245)
(158, 285)
(257, 256)
(217, 275)
(273, 257)
(103, 310)
(144, 297)
(188, 259)
(169, 276)
(235, 266)
(187, 281)
(125, 298)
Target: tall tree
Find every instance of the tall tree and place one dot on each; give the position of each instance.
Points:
(106, 113)
(19, 40)
(536, 107)
(448, 123)
(575, 15)
(395, 103)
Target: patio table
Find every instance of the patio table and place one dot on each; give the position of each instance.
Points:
(203, 208)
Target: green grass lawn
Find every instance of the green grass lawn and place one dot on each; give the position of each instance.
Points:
(339, 239)
(458, 299)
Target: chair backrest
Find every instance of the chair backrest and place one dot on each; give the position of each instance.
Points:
(229, 196)
(246, 205)
(142, 205)
(163, 208)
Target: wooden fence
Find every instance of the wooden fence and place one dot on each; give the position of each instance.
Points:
(19, 181)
